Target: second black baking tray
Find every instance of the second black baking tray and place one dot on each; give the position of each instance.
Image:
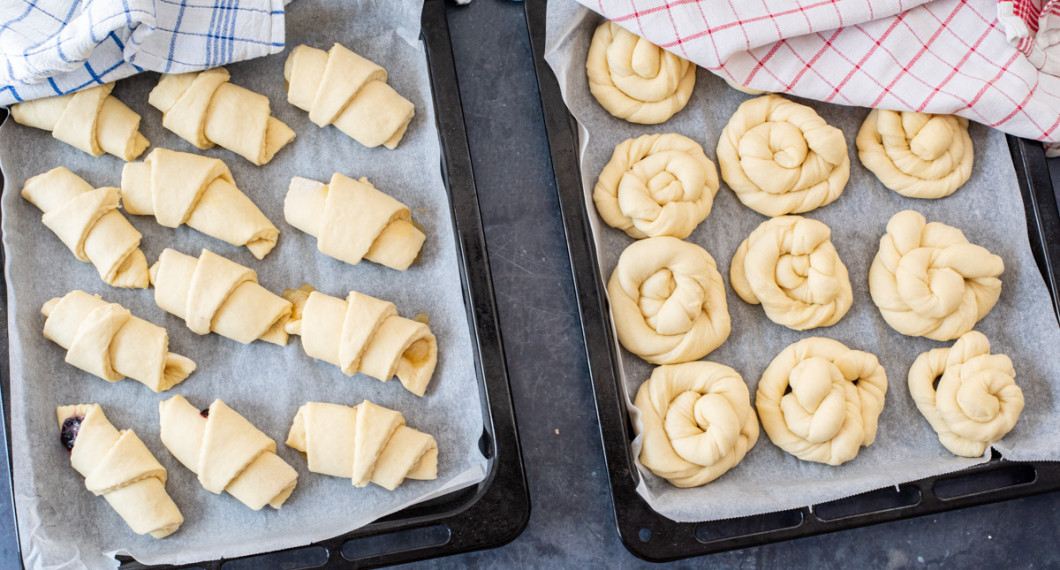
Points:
(485, 515)
(653, 537)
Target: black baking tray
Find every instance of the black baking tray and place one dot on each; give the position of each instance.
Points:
(650, 535)
(486, 515)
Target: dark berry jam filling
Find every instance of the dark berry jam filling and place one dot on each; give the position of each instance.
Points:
(205, 412)
(71, 426)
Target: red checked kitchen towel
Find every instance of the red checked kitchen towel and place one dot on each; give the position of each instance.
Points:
(994, 62)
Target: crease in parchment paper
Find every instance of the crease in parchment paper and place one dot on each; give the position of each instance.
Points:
(988, 209)
(61, 524)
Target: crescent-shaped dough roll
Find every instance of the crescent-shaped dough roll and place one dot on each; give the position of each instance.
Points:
(363, 334)
(656, 185)
(92, 120)
(919, 155)
(365, 443)
(87, 220)
(227, 452)
(204, 109)
(338, 87)
(215, 294)
(780, 157)
(977, 400)
(353, 221)
(106, 340)
(668, 301)
(182, 188)
(697, 422)
(928, 280)
(118, 466)
(821, 401)
(635, 79)
(789, 265)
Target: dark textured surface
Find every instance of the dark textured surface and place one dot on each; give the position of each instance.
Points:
(571, 522)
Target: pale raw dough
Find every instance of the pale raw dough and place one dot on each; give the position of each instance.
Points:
(696, 420)
(204, 109)
(834, 404)
(182, 188)
(227, 452)
(928, 280)
(87, 220)
(215, 294)
(363, 334)
(635, 79)
(353, 221)
(656, 185)
(977, 400)
(338, 87)
(780, 157)
(92, 120)
(365, 443)
(106, 340)
(668, 301)
(743, 89)
(118, 466)
(789, 265)
(919, 155)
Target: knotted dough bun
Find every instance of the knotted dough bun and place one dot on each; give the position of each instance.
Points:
(977, 400)
(656, 185)
(789, 265)
(919, 155)
(668, 301)
(834, 404)
(697, 422)
(635, 79)
(780, 157)
(929, 281)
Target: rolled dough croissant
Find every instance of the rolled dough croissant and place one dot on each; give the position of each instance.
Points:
(92, 120)
(215, 294)
(352, 221)
(364, 334)
(88, 222)
(367, 443)
(204, 109)
(227, 452)
(338, 87)
(118, 466)
(182, 188)
(105, 339)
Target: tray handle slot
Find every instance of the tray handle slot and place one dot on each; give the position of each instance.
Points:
(310, 557)
(724, 530)
(401, 541)
(1002, 476)
(881, 500)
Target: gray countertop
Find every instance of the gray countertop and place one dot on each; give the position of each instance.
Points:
(571, 522)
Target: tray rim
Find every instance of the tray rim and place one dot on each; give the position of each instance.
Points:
(669, 540)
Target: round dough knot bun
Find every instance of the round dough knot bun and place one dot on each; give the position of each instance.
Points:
(656, 185)
(780, 157)
(977, 400)
(929, 281)
(919, 155)
(635, 79)
(820, 401)
(668, 301)
(697, 422)
(789, 265)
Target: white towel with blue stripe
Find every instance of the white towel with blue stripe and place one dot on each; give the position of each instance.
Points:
(54, 47)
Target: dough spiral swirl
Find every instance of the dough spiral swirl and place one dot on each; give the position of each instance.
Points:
(977, 400)
(789, 265)
(635, 79)
(656, 185)
(781, 157)
(668, 301)
(834, 404)
(919, 155)
(928, 280)
(697, 422)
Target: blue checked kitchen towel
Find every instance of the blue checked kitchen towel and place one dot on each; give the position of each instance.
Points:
(53, 47)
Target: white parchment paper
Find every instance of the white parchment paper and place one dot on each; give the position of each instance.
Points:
(988, 209)
(61, 524)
